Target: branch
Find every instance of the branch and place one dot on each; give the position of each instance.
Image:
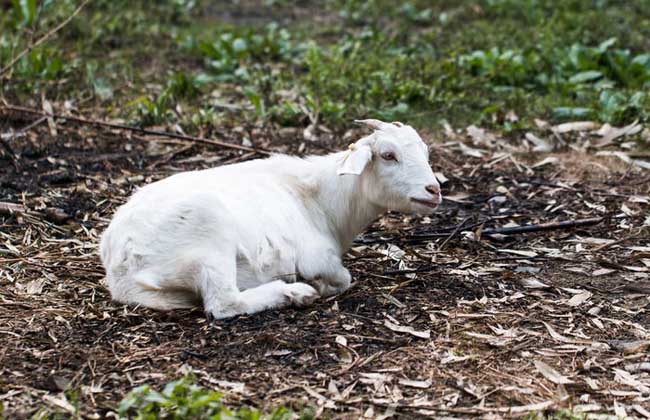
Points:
(51, 214)
(454, 233)
(543, 227)
(43, 38)
(100, 123)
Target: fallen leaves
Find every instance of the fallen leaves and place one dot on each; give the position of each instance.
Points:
(426, 334)
(492, 325)
(579, 298)
(630, 347)
(551, 374)
(575, 126)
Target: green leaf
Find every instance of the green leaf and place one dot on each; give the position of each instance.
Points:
(239, 46)
(604, 46)
(256, 100)
(566, 113)
(585, 76)
(28, 11)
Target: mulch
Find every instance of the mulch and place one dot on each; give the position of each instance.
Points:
(442, 320)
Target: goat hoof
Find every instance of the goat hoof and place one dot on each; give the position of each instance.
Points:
(301, 294)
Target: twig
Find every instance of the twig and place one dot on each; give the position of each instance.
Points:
(453, 234)
(43, 38)
(52, 214)
(417, 238)
(11, 208)
(543, 226)
(134, 129)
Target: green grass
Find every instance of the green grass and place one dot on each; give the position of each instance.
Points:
(424, 62)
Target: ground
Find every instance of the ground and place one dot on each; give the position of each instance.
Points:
(536, 112)
(540, 321)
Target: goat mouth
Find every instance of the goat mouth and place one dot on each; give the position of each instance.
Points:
(428, 203)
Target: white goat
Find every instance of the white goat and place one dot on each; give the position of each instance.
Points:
(238, 238)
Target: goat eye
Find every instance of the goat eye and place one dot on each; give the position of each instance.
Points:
(388, 156)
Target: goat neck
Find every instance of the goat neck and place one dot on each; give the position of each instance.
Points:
(342, 199)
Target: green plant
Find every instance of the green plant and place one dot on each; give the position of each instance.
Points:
(25, 12)
(182, 399)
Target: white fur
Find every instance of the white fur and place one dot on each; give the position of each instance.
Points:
(238, 238)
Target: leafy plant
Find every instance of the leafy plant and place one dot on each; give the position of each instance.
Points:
(182, 399)
(25, 12)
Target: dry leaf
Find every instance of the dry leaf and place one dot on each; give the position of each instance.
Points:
(579, 299)
(626, 158)
(416, 384)
(407, 330)
(557, 336)
(479, 135)
(645, 413)
(638, 367)
(540, 145)
(609, 133)
(529, 254)
(628, 379)
(550, 373)
(35, 287)
(277, 353)
(471, 152)
(603, 272)
(533, 283)
(551, 160)
(575, 126)
(491, 339)
(61, 403)
(629, 347)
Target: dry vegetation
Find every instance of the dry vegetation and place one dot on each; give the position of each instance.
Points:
(438, 322)
(451, 315)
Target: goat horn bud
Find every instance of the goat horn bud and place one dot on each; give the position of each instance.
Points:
(376, 124)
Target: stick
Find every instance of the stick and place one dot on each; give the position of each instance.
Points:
(543, 226)
(417, 238)
(43, 38)
(134, 129)
(454, 233)
(11, 208)
(52, 214)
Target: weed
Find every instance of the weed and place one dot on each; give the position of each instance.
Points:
(182, 399)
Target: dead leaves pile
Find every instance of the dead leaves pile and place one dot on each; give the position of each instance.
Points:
(445, 319)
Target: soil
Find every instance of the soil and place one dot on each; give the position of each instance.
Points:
(481, 326)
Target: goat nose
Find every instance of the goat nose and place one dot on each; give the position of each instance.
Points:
(433, 189)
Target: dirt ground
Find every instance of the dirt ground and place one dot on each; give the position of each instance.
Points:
(443, 320)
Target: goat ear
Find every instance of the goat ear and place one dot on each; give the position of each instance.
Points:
(376, 124)
(356, 160)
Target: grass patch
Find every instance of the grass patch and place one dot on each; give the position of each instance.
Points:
(469, 61)
(183, 399)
